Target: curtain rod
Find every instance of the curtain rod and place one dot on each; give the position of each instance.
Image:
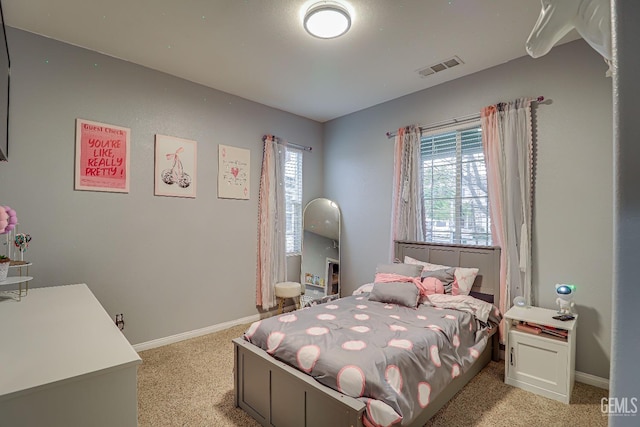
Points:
(291, 144)
(457, 120)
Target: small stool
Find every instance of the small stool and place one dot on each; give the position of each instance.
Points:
(286, 290)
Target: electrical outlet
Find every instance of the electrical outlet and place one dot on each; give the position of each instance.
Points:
(120, 321)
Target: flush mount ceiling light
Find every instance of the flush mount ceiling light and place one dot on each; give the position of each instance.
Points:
(327, 20)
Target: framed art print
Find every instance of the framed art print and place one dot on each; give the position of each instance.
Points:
(175, 171)
(102, 157)
(233, 172)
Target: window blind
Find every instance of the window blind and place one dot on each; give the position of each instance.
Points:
(293, 200)
(456, 203)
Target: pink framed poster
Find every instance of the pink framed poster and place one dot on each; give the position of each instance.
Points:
(102, 157)
(175, 167)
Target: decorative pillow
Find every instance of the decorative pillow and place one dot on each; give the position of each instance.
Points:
(411, 270)
(446, 276)
(432, 286)
(362, 289)
(464, 277)
(403, 293)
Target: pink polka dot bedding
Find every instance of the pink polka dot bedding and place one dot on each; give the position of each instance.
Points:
(392, 357)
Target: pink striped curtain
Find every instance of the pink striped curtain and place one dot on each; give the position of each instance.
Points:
(271, 224)
(408, 200)
(508, 149)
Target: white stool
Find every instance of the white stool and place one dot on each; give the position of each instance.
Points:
(286, 290)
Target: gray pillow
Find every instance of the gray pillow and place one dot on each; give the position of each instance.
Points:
(410, 270)
(403, 293)
(446, 276)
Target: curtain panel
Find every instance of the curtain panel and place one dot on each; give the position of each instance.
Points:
(508, 147)
(271, 224)
(408, 199)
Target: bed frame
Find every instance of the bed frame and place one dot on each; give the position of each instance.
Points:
(276, 394)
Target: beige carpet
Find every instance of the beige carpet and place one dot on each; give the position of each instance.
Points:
(190, 383)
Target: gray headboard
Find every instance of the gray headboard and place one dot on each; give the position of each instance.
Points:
(485, 258)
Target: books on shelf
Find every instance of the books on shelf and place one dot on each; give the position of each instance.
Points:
(537, 329)
(524, 327)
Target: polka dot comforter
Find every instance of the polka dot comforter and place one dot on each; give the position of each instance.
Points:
(394, 358)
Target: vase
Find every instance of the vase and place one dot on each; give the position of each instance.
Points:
(4, 270)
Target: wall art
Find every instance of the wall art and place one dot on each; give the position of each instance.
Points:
(175, 171)
(233, 172)
(102, 157)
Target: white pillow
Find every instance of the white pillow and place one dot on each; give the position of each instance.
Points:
(362, 289)
(464, 276)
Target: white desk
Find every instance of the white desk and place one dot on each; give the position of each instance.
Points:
(63, 362)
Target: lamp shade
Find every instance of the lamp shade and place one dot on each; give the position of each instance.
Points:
(327, 20)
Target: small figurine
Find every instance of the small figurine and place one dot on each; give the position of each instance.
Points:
(22, 243)
(565, 298)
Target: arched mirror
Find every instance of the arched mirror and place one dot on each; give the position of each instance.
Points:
(320, 267)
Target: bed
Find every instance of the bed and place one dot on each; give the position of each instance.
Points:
(276, 394)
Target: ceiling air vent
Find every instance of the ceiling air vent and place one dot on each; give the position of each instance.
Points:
(440, 66)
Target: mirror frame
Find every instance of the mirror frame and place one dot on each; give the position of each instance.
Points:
(303, 280)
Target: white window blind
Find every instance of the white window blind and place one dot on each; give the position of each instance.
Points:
(293, 200)
(456, 205)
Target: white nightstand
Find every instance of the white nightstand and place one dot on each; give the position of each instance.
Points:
(540, 363)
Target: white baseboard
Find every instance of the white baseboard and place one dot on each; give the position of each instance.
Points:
(148, 345)
(585, 378)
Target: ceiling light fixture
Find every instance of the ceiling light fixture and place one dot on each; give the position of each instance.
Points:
(327, 20)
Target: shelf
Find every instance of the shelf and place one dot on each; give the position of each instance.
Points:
(19, 264)
(18, 279)
(15, 280)
(541, 316)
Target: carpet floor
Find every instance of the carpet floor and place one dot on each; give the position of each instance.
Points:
(190, 384)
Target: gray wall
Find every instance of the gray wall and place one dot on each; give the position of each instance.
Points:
(169, 264)
(573, 220)
(625, 375)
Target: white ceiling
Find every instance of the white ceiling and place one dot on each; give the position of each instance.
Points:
(258, 50)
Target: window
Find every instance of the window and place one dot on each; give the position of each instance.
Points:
(456, 205)
(293, 200)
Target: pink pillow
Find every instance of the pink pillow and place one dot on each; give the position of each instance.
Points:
(431, 286)
(464, 280)
(464, 276)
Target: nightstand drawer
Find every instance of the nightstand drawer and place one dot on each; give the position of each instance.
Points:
(538, 361)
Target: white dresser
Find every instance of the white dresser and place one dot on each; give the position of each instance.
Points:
(64, 363)
(540, 363)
